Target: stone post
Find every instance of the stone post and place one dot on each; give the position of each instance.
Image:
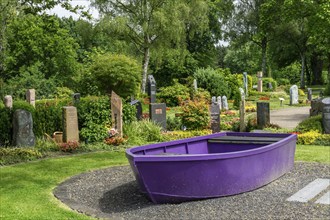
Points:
(263, 114)
(309, 94)
(8, 101)
(259, 75)
(31, 96)
(195, 85)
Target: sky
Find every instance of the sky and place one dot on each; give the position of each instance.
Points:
(61, 12)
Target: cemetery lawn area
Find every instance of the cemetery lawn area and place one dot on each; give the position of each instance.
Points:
(26, 188)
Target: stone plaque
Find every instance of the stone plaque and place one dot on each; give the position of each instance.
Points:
(152, 88)
(263, 114)
(31, 97)
(215, 118)
(117, 113)
(294, 95)
(8, 101)
(157, 113)
(70, 124)
(23, 128)
(224, 103)
(309, 94)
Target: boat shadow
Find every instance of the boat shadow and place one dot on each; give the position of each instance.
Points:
(126, 197)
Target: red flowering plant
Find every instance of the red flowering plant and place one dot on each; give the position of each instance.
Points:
(69, 146)
(114, 138)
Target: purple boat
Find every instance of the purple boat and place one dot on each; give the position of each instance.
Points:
(215, 165)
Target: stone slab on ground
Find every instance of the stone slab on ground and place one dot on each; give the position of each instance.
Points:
(113, 193)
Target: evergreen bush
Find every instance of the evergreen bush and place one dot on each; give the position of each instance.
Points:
(174, 95)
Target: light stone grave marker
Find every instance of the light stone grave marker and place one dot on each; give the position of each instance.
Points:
(309, 94)
(8, 101)
(70, 124)
(259, 75)
(224, 103)
(31, 97)
(195, 85)
(293, 95)
(219, 102)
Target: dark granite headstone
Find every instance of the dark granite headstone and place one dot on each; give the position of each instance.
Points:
(263, 114)
(157, 113)
(309, 94)
(326, 115)
(23, 128)
(76, 98)
(152, 88)
(215, 117)
(138, 107)
(245, 83)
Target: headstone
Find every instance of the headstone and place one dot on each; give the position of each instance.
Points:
(270, 86)
(70, 124)
(76, 98)
(326, 115)
(117, 113)
(214, 99)
(8, 101)
(152, 88)
(219, 102)
(242, 116)
(309, 94)
(215, 117)
(242, 110)
(157, 113)
(259, 75)
(138, 107)
(224, 103)
(316, 107)
(31, 97)
(23, 128)
(242, 93)
(263, 114)
(293, 95)
(195, 85)
(245, 82)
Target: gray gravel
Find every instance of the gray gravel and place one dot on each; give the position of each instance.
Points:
(113, 193)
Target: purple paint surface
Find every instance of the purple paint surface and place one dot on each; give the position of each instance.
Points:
(221, 164)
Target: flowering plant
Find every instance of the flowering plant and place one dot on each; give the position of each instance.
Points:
(69, 146)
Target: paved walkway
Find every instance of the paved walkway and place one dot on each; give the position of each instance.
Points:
(289, 117)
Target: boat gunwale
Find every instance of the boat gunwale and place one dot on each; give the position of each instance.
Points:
(210, 156)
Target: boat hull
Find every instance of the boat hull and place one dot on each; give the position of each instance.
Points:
(209, 169)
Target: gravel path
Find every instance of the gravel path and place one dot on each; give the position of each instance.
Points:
(289, 117)
(113, 193)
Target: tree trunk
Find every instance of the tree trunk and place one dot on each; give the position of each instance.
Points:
(316, 66)
(264, 56)
(302, 75)
(145, 64)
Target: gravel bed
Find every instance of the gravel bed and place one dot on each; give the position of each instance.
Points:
(112, 193)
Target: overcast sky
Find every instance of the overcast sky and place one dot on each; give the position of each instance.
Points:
(61, 12)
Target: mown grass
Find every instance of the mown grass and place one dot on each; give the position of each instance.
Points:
(26, 188)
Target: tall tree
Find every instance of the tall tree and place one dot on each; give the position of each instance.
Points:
(150, 24)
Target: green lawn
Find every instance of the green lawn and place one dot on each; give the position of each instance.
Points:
(26, 188)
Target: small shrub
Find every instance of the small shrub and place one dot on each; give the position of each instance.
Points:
(69, 146)
(174, 95)
(129, 113)
(310, 124)
(116, 140)
(283, 82)
(141, 132)
(173, 123)
(16, 155)
(266, 81)
(176, 135)
(308, 137)
(5, 126)
(323, 139)
(195, 115)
